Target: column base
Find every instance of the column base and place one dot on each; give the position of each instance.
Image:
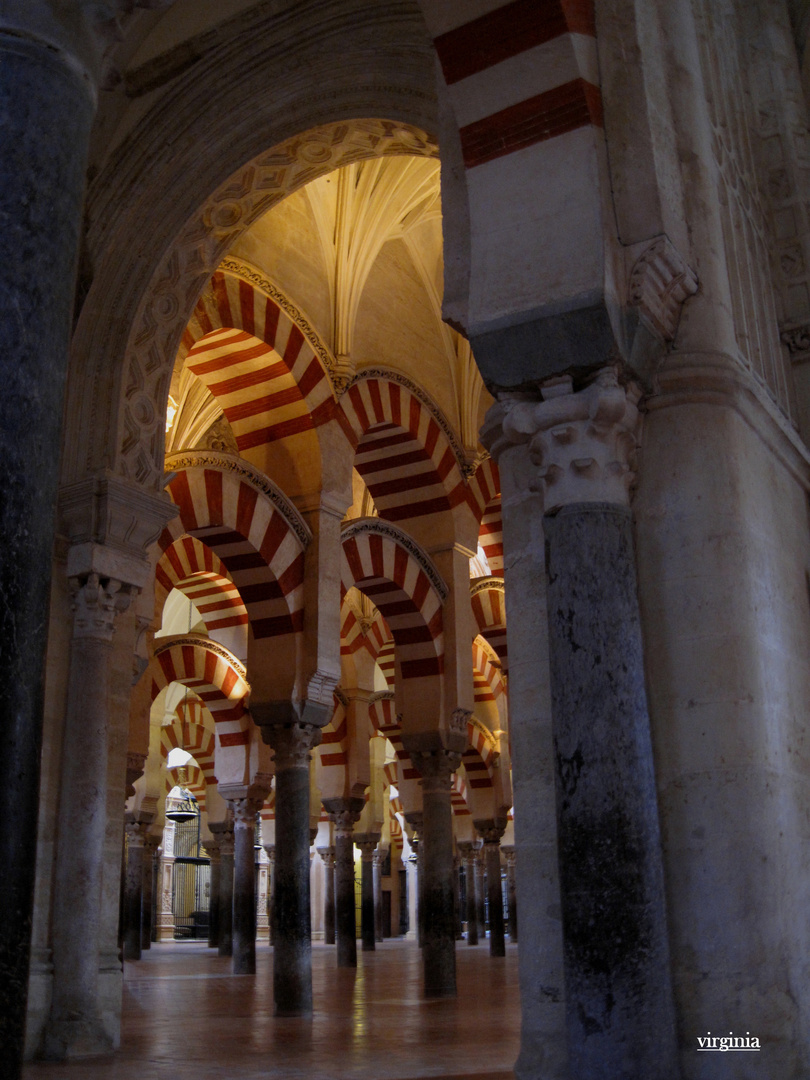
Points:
(67, 1040)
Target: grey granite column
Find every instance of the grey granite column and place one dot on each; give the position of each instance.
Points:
(327, 854)
(457, 897)
(471, 912)
(367, 842)
(75, 1027)
(491, 832)
(436, 893)
(292, 944)
(147, 929)
(244, 885)
(619, 1007)
(345, 813)
(47, 104)
(480, 892)
(215, 884)
(379, 859)
(133, 888)
(508, 852)
(226, 868)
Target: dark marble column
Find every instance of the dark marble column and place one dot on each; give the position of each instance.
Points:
(439, 920)
(328, 856)
(244, 885)
(46, 110)
(457, 897)
(150, 847)
(480, 905)
(226, 867)
(471, 913)
(379, 859)
(133, 888)
(508, 852)
(75, 1027)
(619, 1007)
(491, 832)
(292, 944)
(345, 813)
(215, 885)
(367, 842)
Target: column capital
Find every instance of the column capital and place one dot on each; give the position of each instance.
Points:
(135, 830)
(582, 441)
(415, 819)
(490, 830)
(223, 835)
(270, 852)
(466, 850)
(509, 853)
(291, 743)
(328, 856)
(96, 601)
(436, 767)
(244, 812)
(379, 856)
(345, 813)
(367, 842)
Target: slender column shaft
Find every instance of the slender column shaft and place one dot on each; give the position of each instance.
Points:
(378, 902)
(345, 919)
(226, 849)
(215, 885)
(457, 897)
(150, 847)
(292, 946)
(328, 856)
(46, 110)
(133, 890)
(262, 906)
(497, 945)
(511, 892)
(471, 912)
(367, 903)
(75, 1027)
(480, 907)
(271, 890)
(244, 887)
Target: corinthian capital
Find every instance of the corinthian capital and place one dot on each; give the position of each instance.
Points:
(583, 442)
(96, 602)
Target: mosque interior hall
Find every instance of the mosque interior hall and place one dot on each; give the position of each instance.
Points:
(332, 332)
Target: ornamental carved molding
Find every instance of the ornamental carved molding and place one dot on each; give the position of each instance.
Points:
(660, 283)
(201, 642)
(96, 601)
(212, 459)
(466, 466)
(200, 248)
(377, 527)
(254, 277)
(797, 340)
(292, 744)
(491, 830)
(487, 584)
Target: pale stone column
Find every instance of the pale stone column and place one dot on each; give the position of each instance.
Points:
(243, 933)
(345, 812)
(292, 945)
(412, 879)
(75, 1027)
(212, 846)
(133, 887)
(328, 856)
(436, 894)
(508, 851)
(379, 859)
(491, 832)
(270, 852)
(619, 1006)
(262, 913)
(225, 904)
(480, 892)
(367, 843)
(467, 851)
(150, 847)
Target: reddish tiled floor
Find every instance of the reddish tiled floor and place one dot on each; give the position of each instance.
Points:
(186, 1016)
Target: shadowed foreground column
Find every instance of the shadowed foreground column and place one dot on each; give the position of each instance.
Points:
(468, 855)
(345, 812)
(244, 885)
(292, 945)
(133, 887)
(379, 859)
(367, 843)
(226, 850)
(491, 832)
(215, 882)
(150, 847)
(511, 895)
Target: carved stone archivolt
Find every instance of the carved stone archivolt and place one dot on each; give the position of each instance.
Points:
(660, 282)
(376, 526)
(202, 642)
(486, 584)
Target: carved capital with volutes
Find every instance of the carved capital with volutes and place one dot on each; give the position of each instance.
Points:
(135, 831)
(466, 851)
(436, 767)
(327, 854)
(509, 854)
(96, 601)
(344, 813)
(491, 830)
(367, 843)
(291, 743)
(244, 812)
(223, 835)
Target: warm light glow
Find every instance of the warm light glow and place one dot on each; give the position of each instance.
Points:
(171, 412)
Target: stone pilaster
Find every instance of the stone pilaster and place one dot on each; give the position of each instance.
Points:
(328, 856)
(491, 831)
(133, 887)
(345, 813)
(367, 843)
(508, 852)
(619, 1008)
(292, 945)
(467, 852)
(244, 812)
(436, 767)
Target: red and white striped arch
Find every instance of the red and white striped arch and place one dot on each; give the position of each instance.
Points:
(215, 677)
(485, 486)
(458, 796)
(490, 536)
(386, 662)
(385, 721)
(190, 732)
(261, 553)
(519, 73)
(401, 449)
(257, 362)
(371, 634)
(489, 609)
(487, 677)
(332, 749)
(381, 562)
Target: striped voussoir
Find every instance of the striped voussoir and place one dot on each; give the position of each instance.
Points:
(385, 722)
(386, 662)
(215, 678)
(256, 362)
(194, 781)
(401, 450)
(489, 609)
(520, 74)
(458, 795)
(332, 749)
(371, 634)
(188, 565)
(490, 536)
(487, 675)
(382, 567)
(260, 552)
(190, 732)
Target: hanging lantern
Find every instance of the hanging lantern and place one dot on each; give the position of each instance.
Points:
(180, 803)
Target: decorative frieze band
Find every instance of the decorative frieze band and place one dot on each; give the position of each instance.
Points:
(201, 642)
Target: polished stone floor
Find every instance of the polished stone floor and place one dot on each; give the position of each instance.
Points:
(186, 1016)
